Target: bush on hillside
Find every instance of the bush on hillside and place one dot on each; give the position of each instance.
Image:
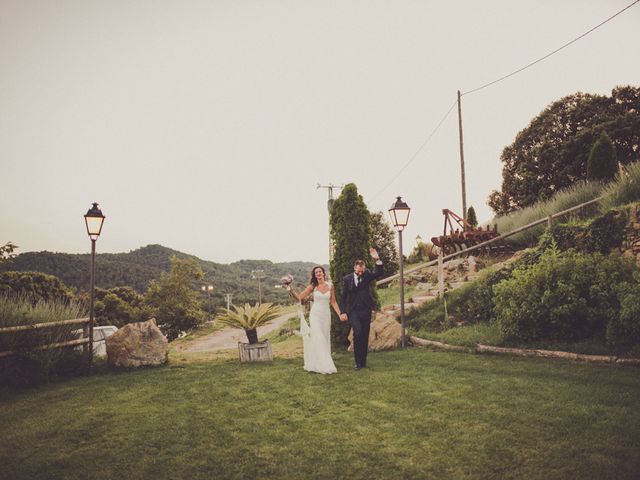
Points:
(599, 235)
(623, 331)
(565, 296)
(472, 303)
(29, 367)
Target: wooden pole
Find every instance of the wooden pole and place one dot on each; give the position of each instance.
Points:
(36, 326)
(464, 189)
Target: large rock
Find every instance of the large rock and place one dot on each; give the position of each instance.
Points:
(385, 333)
(137, 344)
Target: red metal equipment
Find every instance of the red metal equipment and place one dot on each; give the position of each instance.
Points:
(465, 235)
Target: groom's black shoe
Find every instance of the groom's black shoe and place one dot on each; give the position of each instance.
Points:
(357, 367)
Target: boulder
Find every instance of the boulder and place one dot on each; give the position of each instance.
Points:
(137, 344)
(385, 334)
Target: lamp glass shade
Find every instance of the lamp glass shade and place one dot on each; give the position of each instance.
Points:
(399, 213)
(94, 220)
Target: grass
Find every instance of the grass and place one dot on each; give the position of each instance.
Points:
(413, 414)
(575, 195)
(466, 336)
(391, 295)
(489, 334)
(624, 189)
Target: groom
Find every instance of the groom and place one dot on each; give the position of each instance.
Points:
(357, 302)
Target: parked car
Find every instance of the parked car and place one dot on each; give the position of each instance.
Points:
(99, 334)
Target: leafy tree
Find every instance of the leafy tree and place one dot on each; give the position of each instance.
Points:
(383, 239)
(351, 229)
(174, 298)
(36, 286)
(6, 251)
(119, 306)
(552, 151)
(471, 217)
(602, 163)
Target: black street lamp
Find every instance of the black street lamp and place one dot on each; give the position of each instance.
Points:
(399, 213)
(94, 220)
(208, 289)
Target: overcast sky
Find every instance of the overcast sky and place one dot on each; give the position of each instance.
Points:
(205, 126)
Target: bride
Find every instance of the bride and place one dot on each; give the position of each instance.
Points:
(317, 345)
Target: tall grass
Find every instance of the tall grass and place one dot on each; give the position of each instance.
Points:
(26, 365)
(622, 190)
(625, 189)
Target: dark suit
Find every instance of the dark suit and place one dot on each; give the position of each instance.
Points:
(357, 303)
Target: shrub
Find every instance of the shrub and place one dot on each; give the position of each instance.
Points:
(26, 366)
(565, 296)
(599, 235)
(472, 303)
(623, 331)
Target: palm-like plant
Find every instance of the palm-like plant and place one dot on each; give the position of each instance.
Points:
(249, 317)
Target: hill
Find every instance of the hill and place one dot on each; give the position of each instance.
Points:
(138, 267)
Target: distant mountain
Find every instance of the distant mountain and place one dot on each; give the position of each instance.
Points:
(138, 267)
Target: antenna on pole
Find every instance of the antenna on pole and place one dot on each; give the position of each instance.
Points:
(330, 201)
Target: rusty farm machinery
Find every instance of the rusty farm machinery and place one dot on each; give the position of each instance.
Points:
(466, 235)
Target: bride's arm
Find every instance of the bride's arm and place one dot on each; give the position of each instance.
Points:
(334, 303)
(300, 296)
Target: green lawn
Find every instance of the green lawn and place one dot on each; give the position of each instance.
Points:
(413, 414)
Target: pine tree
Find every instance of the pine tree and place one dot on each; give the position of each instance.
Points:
(603, 162)
(351, 229)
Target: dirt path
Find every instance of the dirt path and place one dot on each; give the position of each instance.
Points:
(229, 337)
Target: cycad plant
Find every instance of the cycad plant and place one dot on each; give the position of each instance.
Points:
(249, 317)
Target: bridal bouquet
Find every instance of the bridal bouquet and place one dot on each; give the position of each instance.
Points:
(286, 280)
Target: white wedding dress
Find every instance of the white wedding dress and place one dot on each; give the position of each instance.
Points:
(317, 341)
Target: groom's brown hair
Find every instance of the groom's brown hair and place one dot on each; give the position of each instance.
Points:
(359, 262)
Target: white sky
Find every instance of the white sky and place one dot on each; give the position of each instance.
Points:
(205, 126)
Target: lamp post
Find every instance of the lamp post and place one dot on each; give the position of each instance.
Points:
(399, 213)
(94, 220)
(258, 274)
(208, 289)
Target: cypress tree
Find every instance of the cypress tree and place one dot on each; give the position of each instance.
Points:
(603, 162)
(471, 217)
(351, 229)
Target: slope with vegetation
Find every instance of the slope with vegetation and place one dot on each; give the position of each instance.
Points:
(573, 290)
(138, 268)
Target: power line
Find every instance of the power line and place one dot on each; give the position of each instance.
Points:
(413, 157)
(551, 53)
(424, 144)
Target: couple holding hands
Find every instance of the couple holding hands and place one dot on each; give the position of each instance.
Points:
(355, 307)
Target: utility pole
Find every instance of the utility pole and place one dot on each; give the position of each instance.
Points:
(258, 274)
(330, 201)
(464, 190)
